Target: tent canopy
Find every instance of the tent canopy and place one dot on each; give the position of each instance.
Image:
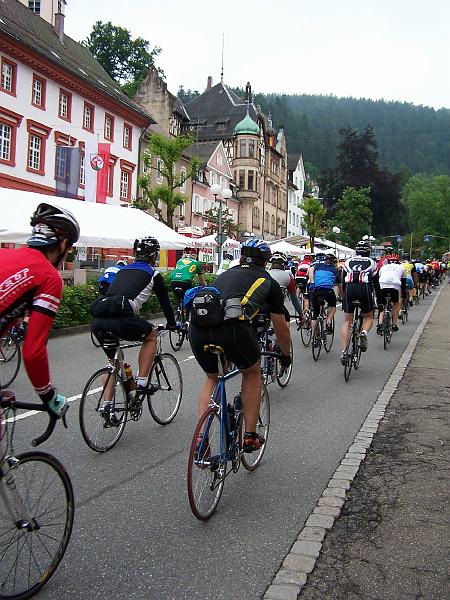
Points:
(287, 248)
(101, 225)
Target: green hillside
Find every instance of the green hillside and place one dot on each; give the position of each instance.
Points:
(409, 137)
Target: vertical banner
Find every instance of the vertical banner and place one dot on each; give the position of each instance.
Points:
(67, 171)
(96, 163)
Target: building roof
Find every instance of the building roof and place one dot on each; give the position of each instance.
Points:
(215, 113)
(202, 150)
(247, 125)
(21, 25)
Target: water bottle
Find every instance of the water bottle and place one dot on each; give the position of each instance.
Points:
(131, 384)
(231, 417)
(237, 402)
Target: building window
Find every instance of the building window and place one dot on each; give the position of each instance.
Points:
(219, 159)
(34, 152)
(212, 178)
(159, 170)
(243, 148)
(65, 105)
(206, 206)
(272, 225)
(266, 222)
(38, 92)
(251, 180)
(6, 138)
(127, 136)
(88, 117)
(82, 170)
(241, 179)
(196, 204)
(35, 6)
(37, 137)
(125, 185)
(183, 174)
(110, 183)
(9, 76)
(109, 127)
(60, 162)
(251, 148)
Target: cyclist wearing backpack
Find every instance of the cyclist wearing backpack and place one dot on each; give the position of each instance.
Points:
(244, 290)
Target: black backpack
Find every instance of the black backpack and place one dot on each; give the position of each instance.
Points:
(207, 308)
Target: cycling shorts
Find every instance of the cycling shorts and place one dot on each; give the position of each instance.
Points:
(301, 282)
(132, 329)
(238, 340)
(392, 292)
(422, 277)
(357, 291)
(409, 282)
(321, 293)
(183, 286)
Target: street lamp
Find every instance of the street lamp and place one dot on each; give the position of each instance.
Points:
(226, 193)
(336, 230)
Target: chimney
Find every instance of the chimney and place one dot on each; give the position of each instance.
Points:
(59, 26)
(209, 83)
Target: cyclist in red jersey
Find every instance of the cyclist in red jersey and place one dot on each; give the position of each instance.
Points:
(30, 283)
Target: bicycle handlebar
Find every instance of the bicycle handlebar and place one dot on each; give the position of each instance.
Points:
(9, 401)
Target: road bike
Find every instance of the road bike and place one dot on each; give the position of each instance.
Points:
(322, 337)
(404, 311)
(387, 322)
(178, 336)
(11, 355)
(271, 367)
(36, 507)
(216, 448)
(353, 349)
(109, 399)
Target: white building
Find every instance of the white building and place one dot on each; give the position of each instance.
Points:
(53, 93)
(296, 189)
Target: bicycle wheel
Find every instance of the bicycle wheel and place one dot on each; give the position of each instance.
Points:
(206, 473)
(177, 337)
(165, 376)
(283, 375)
(349, 352)
(29, 555)
(252, 459)
(329, 337)
(386, 329)
(305, 329)
(316, 345)
(102, 423)
(10, 359)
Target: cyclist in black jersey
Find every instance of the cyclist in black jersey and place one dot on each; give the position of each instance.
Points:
(245, 289)
(118, 311)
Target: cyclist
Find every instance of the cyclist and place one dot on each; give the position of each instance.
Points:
(185, 270)
(358, 273)
(31, 283)
(301, 277)
(421, 275)
(118, 311)
(107, 277)
(285, 279)
(412, 279)
(392, 279)
(322, 278)
(245, 289)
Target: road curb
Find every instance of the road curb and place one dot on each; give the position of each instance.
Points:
(291, 577)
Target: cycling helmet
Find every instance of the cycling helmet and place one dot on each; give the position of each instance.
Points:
(146, 248)
(331, 258)
(388, 249)
(279, 257)
(363, 248)
(309, 257)
(256, 249)
(120, 263)
(321, 257)
(405, 256)
(393, 258)
(52, 224)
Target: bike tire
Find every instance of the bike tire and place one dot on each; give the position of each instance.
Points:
(10, 360)
(328, 338)
(252, 460)
(205, 475)
(349, 354)
(283, 375)
(316, 342)
(102, 431)
(305, 330)
(166, 375)
(387, 334)
(46, 491)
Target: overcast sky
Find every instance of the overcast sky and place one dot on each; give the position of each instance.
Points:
(392, 49)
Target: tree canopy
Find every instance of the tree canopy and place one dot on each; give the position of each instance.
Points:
(353, 215)
(312, 219)
(127, 61)
(170, 151)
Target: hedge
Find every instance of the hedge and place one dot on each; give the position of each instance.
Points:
(77, 299)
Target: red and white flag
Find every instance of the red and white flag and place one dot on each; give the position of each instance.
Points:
(96, 164)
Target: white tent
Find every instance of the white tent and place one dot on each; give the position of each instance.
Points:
(101, 225)
(341, 251)
(209, 241)
(287, 248)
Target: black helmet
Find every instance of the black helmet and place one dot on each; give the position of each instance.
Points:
(146, 248)
(257, 249)
(363, 248)
(51, 224)
(321, 257)
(405, 256)
(331, 258)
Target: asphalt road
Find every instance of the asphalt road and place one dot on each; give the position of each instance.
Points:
(134, 536)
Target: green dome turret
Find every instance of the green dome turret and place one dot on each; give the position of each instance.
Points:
(246, 126)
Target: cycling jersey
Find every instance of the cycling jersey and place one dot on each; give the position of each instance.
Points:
(409, 267)
(391, 276)
(359, 269)
(185, 270)
(29, 282)
(284, 279)
(302, 269)
(324, 276)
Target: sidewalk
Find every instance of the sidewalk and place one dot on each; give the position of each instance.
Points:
(392, 538)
